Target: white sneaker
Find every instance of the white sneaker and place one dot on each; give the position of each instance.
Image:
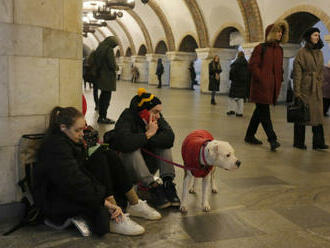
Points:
(82, 226)
(143, 210)
(126, 226)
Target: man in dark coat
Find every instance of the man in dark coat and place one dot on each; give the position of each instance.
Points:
(266, 67)
(214, 77)
(106, 78)
(240, 77)
(159, 72)
(139, 127)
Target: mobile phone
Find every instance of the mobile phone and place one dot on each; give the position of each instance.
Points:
(145, 115)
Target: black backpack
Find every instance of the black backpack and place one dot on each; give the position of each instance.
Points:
(28, 147)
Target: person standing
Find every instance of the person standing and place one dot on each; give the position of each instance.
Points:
(192, 75)
(240, 77)
(308, 81)
(266, 67)
(159, 72)
(106, 79)
(326, 89)
(214, 77)
(120, 69)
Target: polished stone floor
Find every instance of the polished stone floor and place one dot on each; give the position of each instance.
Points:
(275, 200)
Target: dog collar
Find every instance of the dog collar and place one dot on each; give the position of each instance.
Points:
(203, 154)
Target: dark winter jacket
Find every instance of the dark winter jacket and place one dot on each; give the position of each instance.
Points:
(214, 84)
(60, 176)
(160, 68)
(106, 63)
(266, 66)
(240, 78)
(129, 134)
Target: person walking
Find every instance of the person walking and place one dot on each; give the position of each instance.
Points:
(159, 72)
(106, 78)
(308, 81)
(214, 77)
(240, 77)
(266, 67)
(192, 75)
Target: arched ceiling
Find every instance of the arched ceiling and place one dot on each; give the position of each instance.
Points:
(172, 20)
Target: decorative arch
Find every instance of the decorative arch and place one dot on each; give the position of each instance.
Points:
(143, 28)
(96, 38)
(228, 27)
(252, 20)
(119, 41)
(200, 24)
(129, 37)
(128, 52)
(161, 47)
(167, 28)
(188, 44)
(118, 54)
(142, 50)
(319, 13)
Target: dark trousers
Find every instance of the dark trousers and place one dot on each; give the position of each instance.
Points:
(96, 95)
(118, 76)
(213, 96)
(326, 105)
(261, 115)
(104, 103)
(106, 167)
(299, 135)
(159, 81)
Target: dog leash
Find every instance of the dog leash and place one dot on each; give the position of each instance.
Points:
(171, 162)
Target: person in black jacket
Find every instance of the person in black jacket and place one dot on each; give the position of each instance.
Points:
(214, 77)
(142, 126)
(159, 72)
(240, 77)
(67, 184)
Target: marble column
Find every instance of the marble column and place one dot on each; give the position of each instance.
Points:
(289, 52)
(179, 70)
(40, 68)
(206, 55)
(152, 67)
(141, 63)
(126, 65)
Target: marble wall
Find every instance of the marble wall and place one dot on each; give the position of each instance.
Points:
(40, 67)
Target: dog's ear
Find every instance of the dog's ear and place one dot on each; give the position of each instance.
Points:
(216, 149)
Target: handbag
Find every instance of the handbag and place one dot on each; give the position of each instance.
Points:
(298, 112)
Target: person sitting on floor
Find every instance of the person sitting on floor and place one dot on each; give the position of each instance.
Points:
(68, 184)
(142, 126)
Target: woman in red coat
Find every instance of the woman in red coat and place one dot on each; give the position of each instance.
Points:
(266, 66)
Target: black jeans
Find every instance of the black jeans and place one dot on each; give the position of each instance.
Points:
(105, 166)
(96, 95)
(104, 103)
(159, 80)
(261, 115)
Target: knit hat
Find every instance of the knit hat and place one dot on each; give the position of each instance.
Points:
(146, 100)
(309, 32)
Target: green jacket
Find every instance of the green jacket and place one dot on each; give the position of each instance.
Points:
(106, 63)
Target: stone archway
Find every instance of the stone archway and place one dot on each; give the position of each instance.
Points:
(118, 54)
(188, 44)
(129, 37)
(128, 52)
(198, 18)
(167, 28)
(142, 50)
(161, 47)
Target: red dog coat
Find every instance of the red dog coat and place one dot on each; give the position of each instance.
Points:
(190, 151)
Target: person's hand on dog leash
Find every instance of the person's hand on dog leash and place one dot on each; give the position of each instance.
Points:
(152, 126)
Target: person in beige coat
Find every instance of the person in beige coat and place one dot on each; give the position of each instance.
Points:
(308, 81)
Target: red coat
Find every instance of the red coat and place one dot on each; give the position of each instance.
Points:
(267, 73)
(190, 152)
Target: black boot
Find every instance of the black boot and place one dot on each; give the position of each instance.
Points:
(213, 102)
(318, 138)
(274, 144)
(158, 197)
(170, 191)
(299, 136)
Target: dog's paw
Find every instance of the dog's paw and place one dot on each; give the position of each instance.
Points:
(183, 209)
(214, 190)
(192, 191)
(206, 207)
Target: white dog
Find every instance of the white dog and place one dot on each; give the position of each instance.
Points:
(201, 154)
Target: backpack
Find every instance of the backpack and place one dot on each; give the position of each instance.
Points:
(92, 69)
(28, 147)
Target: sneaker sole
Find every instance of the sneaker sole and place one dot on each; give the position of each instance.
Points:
(166, 205)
